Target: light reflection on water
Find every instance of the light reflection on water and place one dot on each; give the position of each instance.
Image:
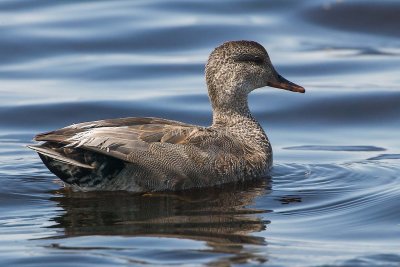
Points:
(332, 196)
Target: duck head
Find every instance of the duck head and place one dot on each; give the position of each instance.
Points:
(236, 68)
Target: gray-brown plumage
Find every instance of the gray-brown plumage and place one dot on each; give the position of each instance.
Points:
(152, 154)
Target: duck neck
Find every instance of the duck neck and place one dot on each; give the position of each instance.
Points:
(234, 114)
(235, 118)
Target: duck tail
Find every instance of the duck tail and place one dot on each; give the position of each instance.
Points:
(82, 169)
(48, 152)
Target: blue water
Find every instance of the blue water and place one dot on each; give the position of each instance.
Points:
(332, 198)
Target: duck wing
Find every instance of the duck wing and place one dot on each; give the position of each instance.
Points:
(119, 138)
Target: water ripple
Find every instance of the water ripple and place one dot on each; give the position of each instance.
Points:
(331, 203)
(359, 16)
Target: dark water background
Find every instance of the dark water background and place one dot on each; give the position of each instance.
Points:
(333, 198)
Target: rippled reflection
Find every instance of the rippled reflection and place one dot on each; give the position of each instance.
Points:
(221, 217)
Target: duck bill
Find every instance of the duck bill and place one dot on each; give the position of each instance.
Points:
(282, 83)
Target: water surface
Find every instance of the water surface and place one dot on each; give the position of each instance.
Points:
(332, 198)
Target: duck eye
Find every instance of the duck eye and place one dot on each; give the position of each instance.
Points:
(249, 58)
(258, 60)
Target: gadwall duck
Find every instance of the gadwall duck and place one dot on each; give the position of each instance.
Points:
(152, 154)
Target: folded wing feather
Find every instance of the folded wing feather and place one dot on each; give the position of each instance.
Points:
(120, 137)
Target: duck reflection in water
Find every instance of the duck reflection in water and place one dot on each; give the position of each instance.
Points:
(222, 217)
